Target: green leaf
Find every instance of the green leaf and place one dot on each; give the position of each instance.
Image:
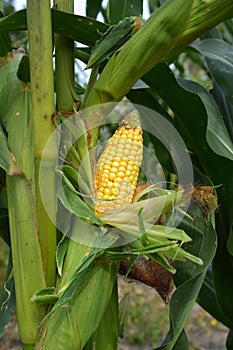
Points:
(72, 201)
(7, 161)
(182, 342)
(7, 299)
(229, 342)
(191, 122)
(85, 301)
(225, 107)
(85, 30)
(8, 75)
(4, 225)
(119, 9)
(13, 22)
(217, 135)
(5, 42)
(24, 71)
(111, 41)
(219, 58)
(145, 97)
(46, 295)
(223, 285)
(123, 313)
(83, 54)
(207, 299)
(93, 7)
(106, 335)
(189, 277)
(61, 253)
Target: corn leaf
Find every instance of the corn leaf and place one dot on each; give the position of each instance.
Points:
(71, 200)
(189, 277)
(7, 160)
(61, 253)
(23, 72)
(123, 313)
(4, 225)
(5, 42)
(219, 59)
(146, 97)
(216, 133)
(93, 7)
(118, 9)
(8, 76)
(190, 114)
(111, 41)
(149, 249)
(159, 231)
(85, 30)
(7, 298)
(207, 299)
(46, 295)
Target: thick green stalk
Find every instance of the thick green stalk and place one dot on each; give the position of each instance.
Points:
(64, 61)
(27, 262)
(26, 254)
(41, 70)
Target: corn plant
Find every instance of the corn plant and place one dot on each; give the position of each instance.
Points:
(74, 208)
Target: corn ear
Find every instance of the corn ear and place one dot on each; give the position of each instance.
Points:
(118, 166)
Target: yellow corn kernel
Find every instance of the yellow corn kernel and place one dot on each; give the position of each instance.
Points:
(117, 169)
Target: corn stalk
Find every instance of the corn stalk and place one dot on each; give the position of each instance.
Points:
(26, 254)
(33, 236)
(41, 70)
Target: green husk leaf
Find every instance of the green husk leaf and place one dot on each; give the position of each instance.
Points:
(7, 160)
(61, 253)
(84, 303)
(72, 201)
(123, 313)
(7, 298)
(151, 208)
(109, 326)
(45, 295)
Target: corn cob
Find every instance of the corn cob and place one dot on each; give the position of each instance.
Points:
(118, 166)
